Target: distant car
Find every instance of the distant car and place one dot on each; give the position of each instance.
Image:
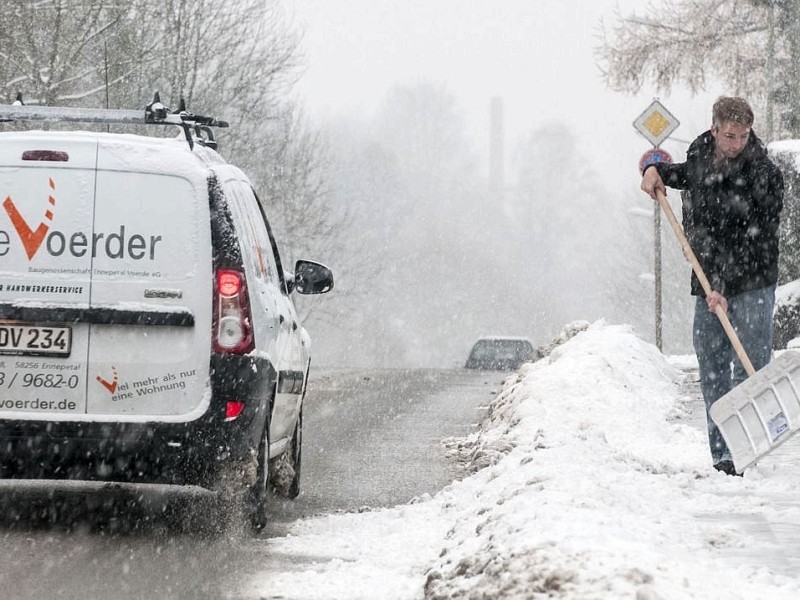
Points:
(499, 353)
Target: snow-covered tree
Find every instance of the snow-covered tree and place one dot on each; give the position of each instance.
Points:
(789, 266)
(753, 46)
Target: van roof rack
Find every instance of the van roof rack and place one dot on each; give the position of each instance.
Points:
(195, 127)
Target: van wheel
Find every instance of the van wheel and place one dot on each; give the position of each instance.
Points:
(297, 447)
(261, 490)
(285, 473)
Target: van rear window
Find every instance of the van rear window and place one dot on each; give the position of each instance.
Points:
(146, 224)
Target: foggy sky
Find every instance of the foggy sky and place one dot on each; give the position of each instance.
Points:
(538, 57)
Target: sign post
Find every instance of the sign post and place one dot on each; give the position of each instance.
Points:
(655, 124)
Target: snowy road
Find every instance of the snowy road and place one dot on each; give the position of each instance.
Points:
(371, 439)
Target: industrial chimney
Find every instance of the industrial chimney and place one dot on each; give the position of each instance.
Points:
(496, 150)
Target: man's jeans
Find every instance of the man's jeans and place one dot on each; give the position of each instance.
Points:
(750, 314)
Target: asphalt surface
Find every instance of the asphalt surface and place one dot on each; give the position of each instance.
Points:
(373, 438)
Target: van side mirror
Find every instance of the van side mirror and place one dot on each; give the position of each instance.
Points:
(312, 278)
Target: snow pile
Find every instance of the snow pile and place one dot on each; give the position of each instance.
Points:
(591, 491)
(592, 498)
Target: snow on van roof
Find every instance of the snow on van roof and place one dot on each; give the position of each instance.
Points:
(131, 152)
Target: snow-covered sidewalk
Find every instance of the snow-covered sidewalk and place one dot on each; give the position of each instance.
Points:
(586, 485)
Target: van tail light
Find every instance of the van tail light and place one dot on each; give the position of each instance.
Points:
(233, 408)
(233, 333)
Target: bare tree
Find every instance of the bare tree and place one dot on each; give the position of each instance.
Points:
(415, 268)
(431, 227)
(292, 177)
(238, 57)
(54, 51)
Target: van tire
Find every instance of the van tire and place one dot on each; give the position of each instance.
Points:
(297, 455)
(258, 498)
(285, 470)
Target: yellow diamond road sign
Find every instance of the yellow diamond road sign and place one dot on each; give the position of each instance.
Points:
(656, 123)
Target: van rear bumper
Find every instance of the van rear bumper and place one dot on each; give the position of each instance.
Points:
(188, 453)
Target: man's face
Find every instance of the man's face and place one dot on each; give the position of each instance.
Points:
(731, 138)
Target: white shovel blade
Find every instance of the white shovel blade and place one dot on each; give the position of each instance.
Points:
(762, 412)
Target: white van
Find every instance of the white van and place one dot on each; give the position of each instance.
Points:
(147, 331)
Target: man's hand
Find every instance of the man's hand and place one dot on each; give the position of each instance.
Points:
(651, 181)
(715, 299)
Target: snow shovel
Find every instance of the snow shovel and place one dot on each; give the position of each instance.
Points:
(763, 411)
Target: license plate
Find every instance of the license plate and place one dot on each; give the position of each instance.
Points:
(35, 340)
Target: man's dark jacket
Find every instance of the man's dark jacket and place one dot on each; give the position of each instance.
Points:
(731, 214)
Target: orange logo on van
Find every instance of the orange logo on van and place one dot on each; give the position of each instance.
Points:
(111, 386)
(31, 240)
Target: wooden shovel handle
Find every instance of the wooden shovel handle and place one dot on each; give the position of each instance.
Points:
(701, 277)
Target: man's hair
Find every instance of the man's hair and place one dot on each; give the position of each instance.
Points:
(731, 110)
